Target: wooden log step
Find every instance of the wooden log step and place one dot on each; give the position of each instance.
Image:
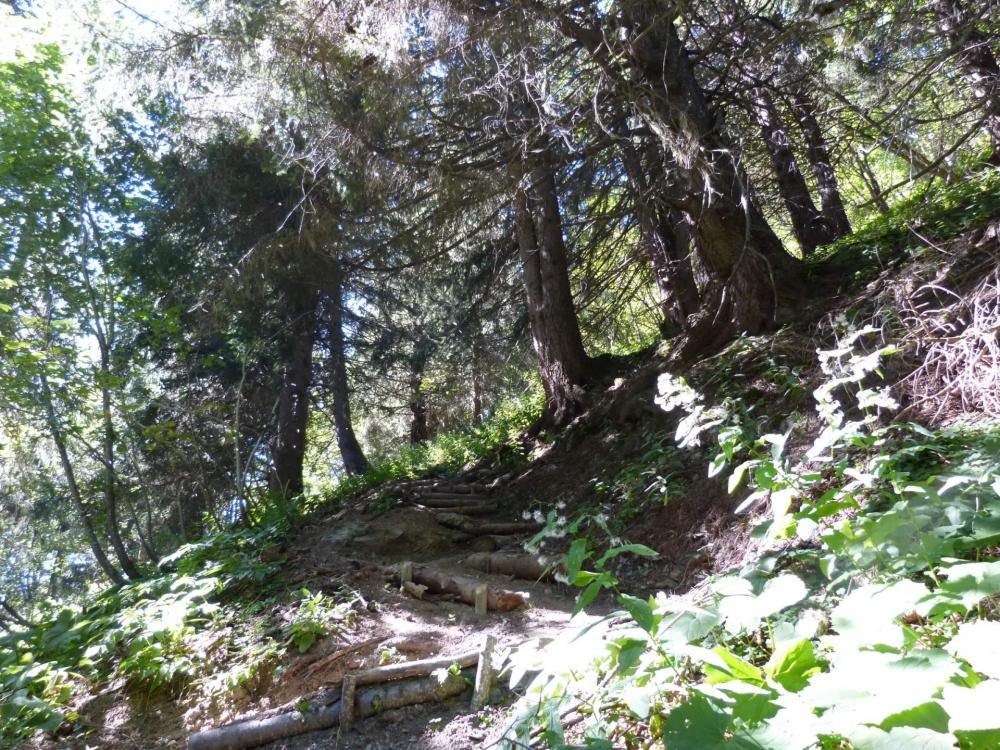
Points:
(466, 588)
(452, 502)
(444, 485)
(528, 567)
(466, 496)
(367, 701)
(476, 528)
(466, 510)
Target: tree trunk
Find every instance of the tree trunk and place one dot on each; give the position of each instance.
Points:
(808, 224)
(477, 376)
(350, 449)
(978, 62)
(288, 446)
(665, 241)
(419, 431)
(831, 202)
(739, 251)
(562, 360)
(74, 489)
(110, 478)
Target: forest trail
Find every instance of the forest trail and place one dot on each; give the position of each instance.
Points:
(442, 530)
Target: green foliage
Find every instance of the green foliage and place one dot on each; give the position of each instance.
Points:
(653, 477)
(496, 438)
(878, 633)
(936, 210)
(315, 617)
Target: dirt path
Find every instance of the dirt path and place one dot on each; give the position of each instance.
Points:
(437, 526)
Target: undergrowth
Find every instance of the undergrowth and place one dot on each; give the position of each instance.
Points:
(869, 620)
(216, 622)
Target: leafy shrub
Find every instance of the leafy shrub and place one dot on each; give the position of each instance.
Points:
(315, 617)
(879, 633)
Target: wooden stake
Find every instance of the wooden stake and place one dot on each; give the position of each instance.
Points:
(405, 572)
(347, 700)
(480, 595)
(485, 674)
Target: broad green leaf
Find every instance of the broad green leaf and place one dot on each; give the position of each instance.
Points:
(641, 611)
(972, 709)
(633, 549)
(979, 644)
(699, 724)
(749, 703)
(586, 597)
(967, 584)
(736, 478)
(793, 727)
(727, 666)
(575, 557)
(791, 665)
(868, 615)
(629, 653)
(744, 611)
(911, 738)
(868, 687)
(927, 715)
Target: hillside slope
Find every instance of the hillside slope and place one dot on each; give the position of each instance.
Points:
(852, 602)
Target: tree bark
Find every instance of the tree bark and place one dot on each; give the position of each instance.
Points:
(110, 477)
(74, 489)
(351, 454)
(562, 360)
(831, 202)
(419, 431)
(808, 223)
(739, 251)
(477, 376)
(288, 445)
(665, 242)
(978, 62)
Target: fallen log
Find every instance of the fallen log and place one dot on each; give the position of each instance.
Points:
(452, 502)
(528, 567)
(473, 528)
(467, 510)
(376, 690)
(418, 668)
(463, 496)
(465, 588)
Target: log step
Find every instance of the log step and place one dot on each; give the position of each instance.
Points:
(466, 510)
(528, 567)
(464, 496)
(452, 502)
(501, 528)
(469, 590)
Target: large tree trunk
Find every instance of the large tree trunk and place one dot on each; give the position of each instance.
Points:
(664, 239)
(978, 62)
(288, 446)
(419, 429)
(477, 376)
(739, 251)
(808, 223)
(831, 202)
(350, 449)
(555, 331)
